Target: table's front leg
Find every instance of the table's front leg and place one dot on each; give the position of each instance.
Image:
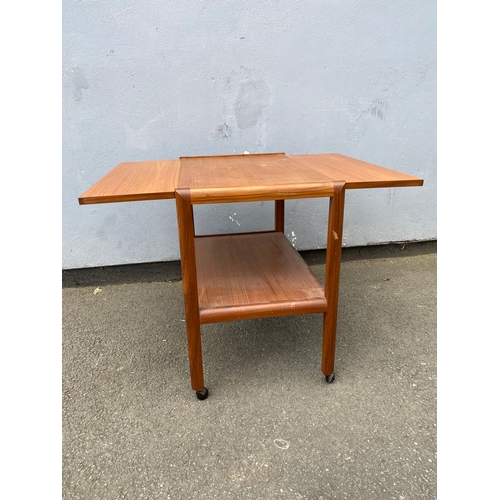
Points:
(332, 277)
(185, 220)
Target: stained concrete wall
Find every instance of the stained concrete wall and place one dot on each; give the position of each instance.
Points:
(144, 79)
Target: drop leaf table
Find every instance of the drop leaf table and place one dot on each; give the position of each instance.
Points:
(228, 277)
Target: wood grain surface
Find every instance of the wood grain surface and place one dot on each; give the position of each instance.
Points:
(135, 181)
(356, 174)
(158, 179)
(253, 275)
(246, 170)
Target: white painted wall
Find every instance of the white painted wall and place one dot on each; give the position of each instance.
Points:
(144, 79)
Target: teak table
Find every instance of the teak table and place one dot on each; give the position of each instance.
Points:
(239, 276)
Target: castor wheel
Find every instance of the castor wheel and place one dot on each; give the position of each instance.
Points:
(201, 395)
(330, 378)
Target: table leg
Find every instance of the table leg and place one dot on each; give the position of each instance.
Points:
(332, 277)
(279, 215)
(185, 222)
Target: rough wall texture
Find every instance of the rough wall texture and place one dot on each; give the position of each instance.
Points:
(144, 79)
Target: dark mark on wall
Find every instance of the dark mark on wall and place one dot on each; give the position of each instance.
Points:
(223, 132)
(378, 107)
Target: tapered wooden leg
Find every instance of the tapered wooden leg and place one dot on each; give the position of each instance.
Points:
(185, 222)
(332, 277)
(279, 215)
(195, 356)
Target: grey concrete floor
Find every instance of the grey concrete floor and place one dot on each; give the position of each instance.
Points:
(271, 427)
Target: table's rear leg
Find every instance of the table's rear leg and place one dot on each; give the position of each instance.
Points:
(279, 215)
(185, 222)
(332, 277)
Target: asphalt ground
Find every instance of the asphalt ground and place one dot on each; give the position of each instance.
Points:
(271, 426)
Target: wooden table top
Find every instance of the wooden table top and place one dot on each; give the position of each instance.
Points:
(158, 179)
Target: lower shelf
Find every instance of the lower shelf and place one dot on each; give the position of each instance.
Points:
(253, 275)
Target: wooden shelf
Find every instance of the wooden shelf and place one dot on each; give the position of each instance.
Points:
(253, 275)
